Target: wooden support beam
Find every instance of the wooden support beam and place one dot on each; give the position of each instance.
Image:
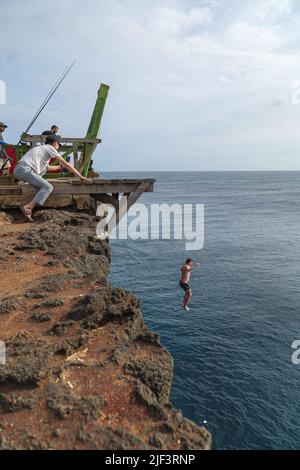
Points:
(8, 190)
(86, 160)
(64, 187)
(75, 156)
(126, 202)
(137, 193)
(106, 199)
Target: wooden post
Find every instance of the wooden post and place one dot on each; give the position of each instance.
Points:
(75, 155)
(94, 126)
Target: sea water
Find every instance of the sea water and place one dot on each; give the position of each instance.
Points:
(232, 352)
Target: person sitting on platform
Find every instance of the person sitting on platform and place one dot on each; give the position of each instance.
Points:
(34, 164)
(53, 131)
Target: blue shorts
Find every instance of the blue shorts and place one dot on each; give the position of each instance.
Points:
(184, 285)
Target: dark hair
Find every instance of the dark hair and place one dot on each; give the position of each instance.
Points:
(54, 125)
(189, 260)
(51, 139)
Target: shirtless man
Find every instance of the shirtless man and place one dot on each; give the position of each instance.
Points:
(184, 282)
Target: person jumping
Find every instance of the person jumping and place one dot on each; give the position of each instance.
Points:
(184, 282)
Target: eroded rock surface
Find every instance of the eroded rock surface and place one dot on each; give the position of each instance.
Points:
(83, 371)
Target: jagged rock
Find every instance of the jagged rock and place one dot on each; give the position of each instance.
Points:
(53, 283)
(11, 402)
(156, 375)
(9, 305)
(88, 265)
(53, 263)
(35, 295)
(61, 328)
(42, 316)
(55, 380)
(97, 309)
(158, 441)
(145, 396)
(62, 401)
(120, 439)
(29, 361)
(49, 303)
(149, 337)
(57, 433)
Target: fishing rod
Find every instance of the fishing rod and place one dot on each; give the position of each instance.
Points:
(47, 99)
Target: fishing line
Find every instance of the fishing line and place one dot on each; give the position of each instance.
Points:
(47, 99)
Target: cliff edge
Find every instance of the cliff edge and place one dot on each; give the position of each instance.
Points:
(82, 369)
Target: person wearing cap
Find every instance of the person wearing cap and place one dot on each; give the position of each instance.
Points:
(34, 164)
(2, 129)
(53, 131)
(5, 161)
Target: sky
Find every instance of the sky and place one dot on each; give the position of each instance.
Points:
(194, 84)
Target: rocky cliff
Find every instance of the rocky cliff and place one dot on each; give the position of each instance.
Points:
(82, 369)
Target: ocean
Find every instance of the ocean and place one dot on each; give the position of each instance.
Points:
(233, 351)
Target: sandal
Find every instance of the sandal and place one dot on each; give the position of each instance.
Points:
(26, 214)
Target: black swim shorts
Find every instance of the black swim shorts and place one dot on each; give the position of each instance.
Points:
(184, 285)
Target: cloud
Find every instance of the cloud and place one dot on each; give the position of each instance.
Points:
(271, 11)
(253, 38)
(173, 22)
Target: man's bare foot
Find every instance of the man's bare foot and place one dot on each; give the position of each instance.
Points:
(26, 213)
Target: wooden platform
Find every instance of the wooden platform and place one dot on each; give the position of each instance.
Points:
(71, 192)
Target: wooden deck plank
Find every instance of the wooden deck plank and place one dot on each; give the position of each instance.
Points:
(66, 190)
(7, 190)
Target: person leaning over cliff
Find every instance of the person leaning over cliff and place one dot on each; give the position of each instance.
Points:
(34, 164)
(2, 129)
(5, 161)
